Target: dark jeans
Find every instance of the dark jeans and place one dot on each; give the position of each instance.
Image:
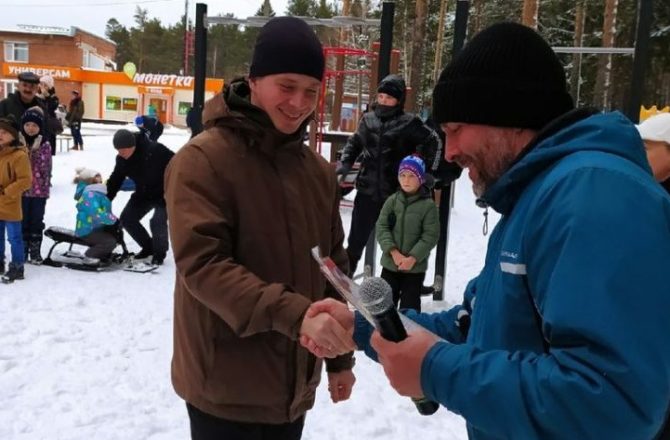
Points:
(208, 427)
(52, 142)
(33, 217)
(363, 219)
(134, 211)
(75, 129)
(406, 288)
(15, 241)
(101, 244)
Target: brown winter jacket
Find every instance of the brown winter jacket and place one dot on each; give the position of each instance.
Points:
(15, 178)
(246, 205)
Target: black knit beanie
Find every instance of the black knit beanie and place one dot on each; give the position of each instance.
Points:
(506, 76)
(123, 139)
(33, 114)
(287, 45)
(393, 85)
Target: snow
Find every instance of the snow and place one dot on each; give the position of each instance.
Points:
(87, 355)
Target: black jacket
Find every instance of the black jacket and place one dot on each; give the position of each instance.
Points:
(153, 128)
(146, 167)
(13, 105)
(384, 142)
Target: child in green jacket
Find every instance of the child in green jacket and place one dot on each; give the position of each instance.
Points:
(407, 230)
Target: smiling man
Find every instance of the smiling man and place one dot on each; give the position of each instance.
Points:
(547, 343)
(23, 98)
(247, 200)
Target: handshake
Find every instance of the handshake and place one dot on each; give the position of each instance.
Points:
(327, 329)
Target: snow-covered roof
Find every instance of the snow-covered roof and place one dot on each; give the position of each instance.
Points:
(51, 30)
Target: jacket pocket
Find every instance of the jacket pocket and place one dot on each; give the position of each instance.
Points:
(249, 371)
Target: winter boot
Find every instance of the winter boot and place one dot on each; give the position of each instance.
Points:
(144, 253)
(157, 259)
(35, 251)
(15, 272)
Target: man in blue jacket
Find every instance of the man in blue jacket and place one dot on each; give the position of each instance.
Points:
(568, 331)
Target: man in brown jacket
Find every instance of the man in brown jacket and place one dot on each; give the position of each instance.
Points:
(247, 201)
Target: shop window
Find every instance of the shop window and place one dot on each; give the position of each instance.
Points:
(113, 103)
(16, 52)
(183, 107)
(129, 104)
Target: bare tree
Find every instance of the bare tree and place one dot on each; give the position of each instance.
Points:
(576, 75)
(602, 94)
(418, 43)
(529, 14)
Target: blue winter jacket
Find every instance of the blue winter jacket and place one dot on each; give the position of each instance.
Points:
(94, 210)
(582, 252)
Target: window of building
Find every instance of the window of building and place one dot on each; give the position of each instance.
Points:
(8, 87)
(16, 52)
(92, 61)
(113, 103)
(130, 104)
(183, 108)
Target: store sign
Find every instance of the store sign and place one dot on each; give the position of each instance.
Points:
(14, 70)
(157, 79)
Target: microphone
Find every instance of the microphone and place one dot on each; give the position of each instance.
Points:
(377, 298)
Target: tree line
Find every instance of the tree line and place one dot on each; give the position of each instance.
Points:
(599, 80)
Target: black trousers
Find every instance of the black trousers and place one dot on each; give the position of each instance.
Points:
(208, 427)
(33, 217)
(101, 244)
(134, 211)
(363, 219)
(406, 288)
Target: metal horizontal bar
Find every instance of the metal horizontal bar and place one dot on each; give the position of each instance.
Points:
(335, 22)
(596, 50)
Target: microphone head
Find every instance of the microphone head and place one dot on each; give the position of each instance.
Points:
(376, 295)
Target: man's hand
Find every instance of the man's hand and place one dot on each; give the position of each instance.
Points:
(402, 361)
(340, 385)
(337, 311)
(327, 329)
(397, 257)
(407, 263)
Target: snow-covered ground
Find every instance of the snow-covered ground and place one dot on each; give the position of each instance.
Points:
(87, 355)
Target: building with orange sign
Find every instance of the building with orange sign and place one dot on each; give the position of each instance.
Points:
(81, 61)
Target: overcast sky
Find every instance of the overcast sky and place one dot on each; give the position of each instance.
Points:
(92, 15)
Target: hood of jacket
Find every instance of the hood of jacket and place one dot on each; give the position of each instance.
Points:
(83, 186)
(576, 131)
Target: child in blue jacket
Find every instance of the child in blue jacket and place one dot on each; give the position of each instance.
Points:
(96, 224)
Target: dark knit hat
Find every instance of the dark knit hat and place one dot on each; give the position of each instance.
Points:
(506, 76)
(9, 124)
(393, 85)
(415, 165)
(33, 114)
(123, 139)
(287, 45)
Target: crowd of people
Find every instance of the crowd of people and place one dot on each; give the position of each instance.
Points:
(29, 125)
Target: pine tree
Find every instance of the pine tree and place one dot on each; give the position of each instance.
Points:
(302, 8)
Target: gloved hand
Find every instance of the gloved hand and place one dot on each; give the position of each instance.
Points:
(341, 171)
